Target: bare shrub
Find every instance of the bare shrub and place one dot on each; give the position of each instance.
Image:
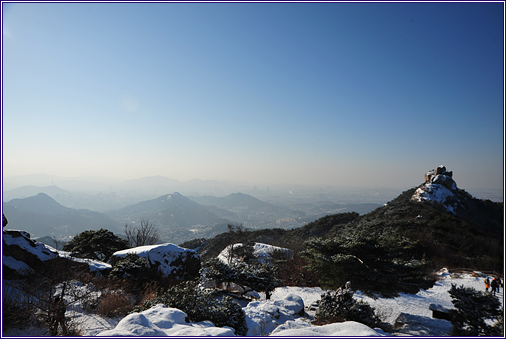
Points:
(115, 303)
(292, 272)
(145, 234)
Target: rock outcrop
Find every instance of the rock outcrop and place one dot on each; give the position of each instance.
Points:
(261, 252)
(23, 255)
(440, 187)
(172, 261)
(440, 176)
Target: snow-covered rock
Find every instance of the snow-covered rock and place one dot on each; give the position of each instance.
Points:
(439, 187)
(161, 321)
(20, 239)
(21, 254)
(277, 318)
(262, 252)
(171, 260)
(263, 317)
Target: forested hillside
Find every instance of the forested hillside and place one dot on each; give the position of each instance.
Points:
(427, 230)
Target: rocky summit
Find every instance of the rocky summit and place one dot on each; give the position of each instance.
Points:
(440, 187)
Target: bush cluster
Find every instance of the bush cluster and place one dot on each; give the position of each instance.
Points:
(472, 310)
(256, 277)
(373, 267)
(132, 267)
(200, 304)
(339, 306)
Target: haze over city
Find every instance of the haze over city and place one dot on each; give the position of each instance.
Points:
(366, 95)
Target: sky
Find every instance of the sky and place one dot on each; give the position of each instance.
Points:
(326, 94)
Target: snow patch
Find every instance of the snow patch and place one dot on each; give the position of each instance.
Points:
(164, 321)
(346, 329)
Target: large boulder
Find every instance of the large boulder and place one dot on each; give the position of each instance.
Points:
(262, 253)
(171, 260)
(23, 255)
(441, 171)
(440, 187)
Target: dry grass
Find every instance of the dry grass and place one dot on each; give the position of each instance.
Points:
(115, 303)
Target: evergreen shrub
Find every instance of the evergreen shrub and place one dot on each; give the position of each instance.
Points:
(200, 304)
(339, 306)
(132, 267)
(256, 277)
(472, 310)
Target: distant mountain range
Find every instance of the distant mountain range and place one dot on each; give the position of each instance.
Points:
(41, 215)
(177, 217)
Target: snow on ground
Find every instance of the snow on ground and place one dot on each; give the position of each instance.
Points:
(278, 316)
(16, 265)
(164, 321)
(95, 265)
(346, 329)
(281, 316)
(419, 304)
(415, 308)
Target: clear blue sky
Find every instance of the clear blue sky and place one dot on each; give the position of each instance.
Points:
(343, 94)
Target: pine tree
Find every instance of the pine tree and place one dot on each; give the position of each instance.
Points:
(371, 266)
(132, 267)
(256, 277)
(97, 245)
(472, 309)
(339, 306)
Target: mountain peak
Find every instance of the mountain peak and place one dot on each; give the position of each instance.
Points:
(175, 195)
(40, 203)
(440, 187)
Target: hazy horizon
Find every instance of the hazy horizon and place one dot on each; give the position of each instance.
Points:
(366, 95)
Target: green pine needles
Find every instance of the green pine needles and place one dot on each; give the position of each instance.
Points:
(133, 267)
(254, 277)
(371, 266)
(339, 306)
(475, 313)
